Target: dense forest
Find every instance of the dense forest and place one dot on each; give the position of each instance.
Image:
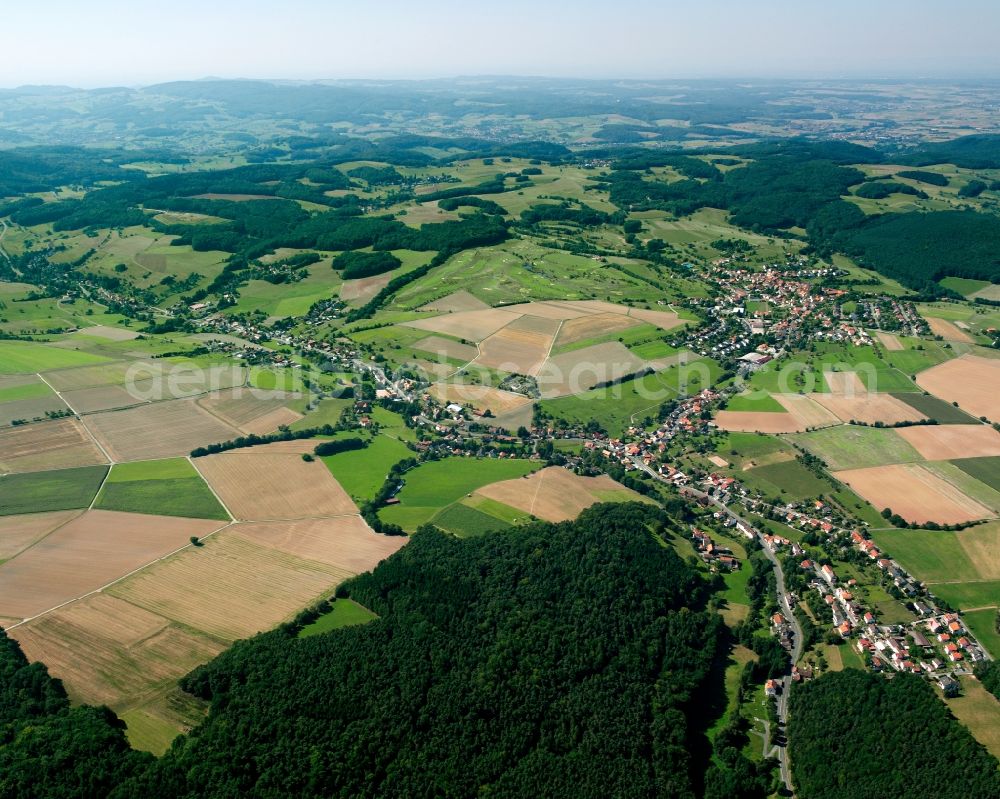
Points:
(854, 734)
(552, 660)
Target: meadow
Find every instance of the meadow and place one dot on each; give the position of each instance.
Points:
(362, 472)
(855, 447)
(436, 484)
(344, 613)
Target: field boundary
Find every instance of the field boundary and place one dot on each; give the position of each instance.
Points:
(97, 443)
(117, 579)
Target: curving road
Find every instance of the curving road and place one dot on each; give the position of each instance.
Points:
(783, 604)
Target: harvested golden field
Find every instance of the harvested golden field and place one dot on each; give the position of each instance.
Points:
(982, 545)
(758, 422)
(869, 408)
(20, 532)
(231, 587)
(240, 406)
(577, 371)
(480, 397)
(57, 444)
(470, 325)
(87, 553)
(108, 651)
(807, 410)
(447, 348)
(345, 542)
(553, 310)
(585, 327)
(260, 485)
(100, 398)
(947, 330)
(665, 320)
(459, 301)
(556, 494)
(109, 333)
(722, 463)
(914, 493)
(949, 441)
(890, 341)
(158, 430)
(517, 348)
(844, 383)
(271, 421)
(971, 381)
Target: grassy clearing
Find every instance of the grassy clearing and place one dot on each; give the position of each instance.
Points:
(855, 447)
(753, 448)
(327, 411)
(345, 613)
(26, 357)
(362, 472)
(65, 489)
(436, 484)
(497, 510)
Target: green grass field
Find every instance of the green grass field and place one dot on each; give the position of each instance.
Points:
(789, 480)
(327, 411)
(617, 406)
(345, 613)
(170, 487)
(929, 555)
(985, 470)
(964, 286)
(436, 484)
(968, 595)
(982, 624)
(64, 489)
(754, 402)
(361, 472)
(934, 408)
(465, 522)
(27, 391)
(25, 357)
(855, 447)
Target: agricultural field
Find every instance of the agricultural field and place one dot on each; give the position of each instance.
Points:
(788, 481)
(933, 408)
(944, 442)
(60, 489)
(914, 492)
(58, 444)
(617, 406)
(556, 494)
(25, 357)
(158, 430)
(985, 470)
(464, 521)
(261, 484)
(970, 381)
(854, 447)
(86, 553)
(164, 488)
(436, 484)
(18, 532)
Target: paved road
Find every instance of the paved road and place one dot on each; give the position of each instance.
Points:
(783, 603)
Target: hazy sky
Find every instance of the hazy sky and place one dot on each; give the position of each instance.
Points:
(112, 42)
